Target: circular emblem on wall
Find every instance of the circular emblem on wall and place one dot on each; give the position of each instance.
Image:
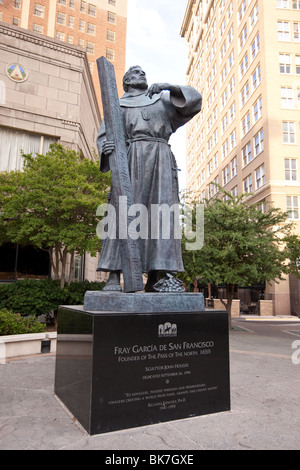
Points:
(17, 72)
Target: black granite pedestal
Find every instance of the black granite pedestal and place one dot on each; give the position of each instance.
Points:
(117, 370)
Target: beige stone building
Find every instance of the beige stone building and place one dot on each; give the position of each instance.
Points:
(98, 27)
(46, 95)
(244, 57)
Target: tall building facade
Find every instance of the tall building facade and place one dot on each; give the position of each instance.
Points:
(99, 27)
(244, 57)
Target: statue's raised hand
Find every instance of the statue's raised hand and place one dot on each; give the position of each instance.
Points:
(158, 87)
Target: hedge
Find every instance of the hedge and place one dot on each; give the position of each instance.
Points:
(14, 324)
(38, 297)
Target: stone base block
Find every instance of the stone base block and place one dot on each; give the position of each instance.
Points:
(121, 370)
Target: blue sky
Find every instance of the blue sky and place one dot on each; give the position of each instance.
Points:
(154, 43)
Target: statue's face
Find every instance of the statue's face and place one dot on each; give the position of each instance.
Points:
(137, 78)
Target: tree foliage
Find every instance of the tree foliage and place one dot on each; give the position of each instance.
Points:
(293, 253)
(52, 205)
(242, 244)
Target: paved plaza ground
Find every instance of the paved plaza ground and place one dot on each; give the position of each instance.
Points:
(265, 395)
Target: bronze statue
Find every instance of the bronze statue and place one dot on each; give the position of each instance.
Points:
(150, 116)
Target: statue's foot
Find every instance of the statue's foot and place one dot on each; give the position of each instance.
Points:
(169, 284)
(113, 283)
(112, 288)
(153, 278)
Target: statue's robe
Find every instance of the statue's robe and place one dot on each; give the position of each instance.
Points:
(148, 125)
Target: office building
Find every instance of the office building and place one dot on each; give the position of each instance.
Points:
(244, 57)
(98, 27)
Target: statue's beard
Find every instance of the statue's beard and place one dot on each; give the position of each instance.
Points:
(141, 84)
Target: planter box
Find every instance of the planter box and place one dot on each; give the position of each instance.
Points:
(266, 308)
(26, 345)
(235, 309)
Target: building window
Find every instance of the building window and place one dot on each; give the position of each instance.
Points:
(82, 25)
(282, 3)
(16, 21)
(17, 4)
(91, 29)
(225, 149)
(259, 142)
(90, 48)
(245, 94)
(70, 39)
(289, 132)
(71, 22)
(233, 140)
(39, 10)
(298, 64)
(254, 16)
(110, 54)
(256, 77)
(260, 176)
(60, 36)
(62, 2)
(232, 113)
(82, 6)
(233, 165)
(243, 37)
(246, 124)
(37, 28)
(296, 32)
(296, 4)
(224, 124)
(234, 191)
(111, 17)
(247, 154)
(290, 169)
(285, 63)
(112, 2)
(292, 206)
(242, 10)
(257, 110)
(248, 184)
(287, 98)
(81, 42)
(61, 18)
(72, 3)
(92, 10)
(232, 86)
(226, 175)
(255, 47)
(110, 36)
(244, 65)
(283, 28)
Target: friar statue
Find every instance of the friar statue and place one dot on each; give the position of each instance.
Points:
(150, 116)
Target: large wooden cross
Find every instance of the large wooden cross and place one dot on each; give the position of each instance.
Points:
(130, 259)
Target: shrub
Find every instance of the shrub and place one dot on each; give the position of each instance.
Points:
(74, 293)
(14, 324)
(33, 297)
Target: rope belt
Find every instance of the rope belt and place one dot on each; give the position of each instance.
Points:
(147, 139)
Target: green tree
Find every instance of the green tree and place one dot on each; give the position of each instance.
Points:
(52, 205)
(293, 254)
(242, 244)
